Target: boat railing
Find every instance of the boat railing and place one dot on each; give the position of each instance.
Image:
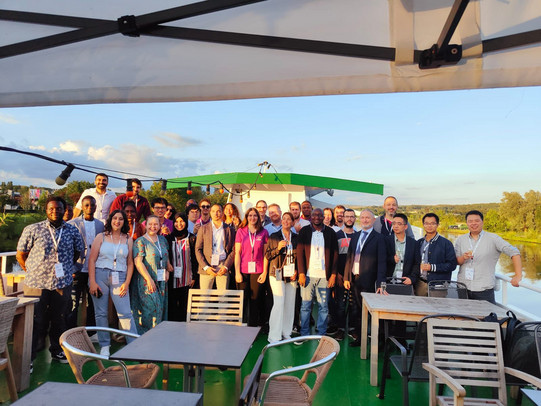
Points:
(505, 283)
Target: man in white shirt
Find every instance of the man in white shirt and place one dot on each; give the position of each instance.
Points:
(477, 254)
(104, 198)
(295, 209)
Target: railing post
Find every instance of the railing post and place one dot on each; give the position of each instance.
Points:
(504, 292)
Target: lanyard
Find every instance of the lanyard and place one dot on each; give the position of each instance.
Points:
(400, 247)
(180, 247)
(158, 247)
(289, 249)
(252, 242)
(473, 249)
(116, 249)
(55, 242)
(359, 244)
(133, 230)
(389, 228)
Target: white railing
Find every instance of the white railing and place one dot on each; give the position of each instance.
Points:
(505, 282)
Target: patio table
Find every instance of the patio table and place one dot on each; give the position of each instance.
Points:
(411, 308)
(59, 393)
(194, 345)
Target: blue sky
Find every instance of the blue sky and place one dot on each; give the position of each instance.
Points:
(426, 148)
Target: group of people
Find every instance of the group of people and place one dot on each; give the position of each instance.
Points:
(283, 261)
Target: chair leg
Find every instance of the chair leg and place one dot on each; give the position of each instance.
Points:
(405, 391)
(385, 372)
(10, 378)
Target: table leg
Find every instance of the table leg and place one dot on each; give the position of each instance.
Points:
(364, 330)
(200, 381)
(23, 324)
(238, 381)
(374, 338)
(165, 377)
(186, 380)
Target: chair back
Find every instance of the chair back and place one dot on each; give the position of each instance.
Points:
(326, 346)
(248, 396)
(7, 312)
(217, 306)
(396, 287)
(420, 345)
(78, 338)
(448, 289)
(469, 351)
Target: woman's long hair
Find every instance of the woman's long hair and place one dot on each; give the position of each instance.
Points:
(258, 225)
(125, 227)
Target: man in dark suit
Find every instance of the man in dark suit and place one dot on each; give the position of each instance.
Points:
(401, 259)
(89, 227)
(215, 250)
(366, 264)
(317, 259)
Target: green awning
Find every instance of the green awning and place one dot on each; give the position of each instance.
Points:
(245, 180)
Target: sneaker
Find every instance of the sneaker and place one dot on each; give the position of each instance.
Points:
(60, 357)
(105, 350)
(331, 331)
(298, 342)
(353, 335)
(339, 336)
(31, 366)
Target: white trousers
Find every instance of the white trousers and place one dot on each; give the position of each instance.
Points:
(283, 309)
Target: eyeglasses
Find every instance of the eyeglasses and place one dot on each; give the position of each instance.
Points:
(159, 207)
(395, 223)
(430, 224)
(205, 206)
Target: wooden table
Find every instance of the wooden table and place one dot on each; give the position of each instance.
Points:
(13, 279)
(533, 395)
(411, 308)
(194, 345)
(23, 325)
(58, 393)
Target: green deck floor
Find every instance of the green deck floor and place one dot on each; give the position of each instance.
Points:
(346, 384)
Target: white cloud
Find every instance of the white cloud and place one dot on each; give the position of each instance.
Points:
(37, 147)
(4, 118)
(173, 140)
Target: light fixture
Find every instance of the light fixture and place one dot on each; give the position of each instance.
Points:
(221, 188)
(129, 185)
(64, 175)
(248, 194)
(189, 190)
(241, 199)
(208, 190)
(164, 185)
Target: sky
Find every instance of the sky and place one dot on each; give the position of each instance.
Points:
(451, 147)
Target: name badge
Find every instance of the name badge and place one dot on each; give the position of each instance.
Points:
(469, 274)
(278, 275)
(215, 260)
(178, 272)
(251, 267)
(161, 275)
(115, 279)
(355, 268)
(59, 270)
(289, 270)
(319, 265)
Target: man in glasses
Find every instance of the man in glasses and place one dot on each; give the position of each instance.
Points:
(159, 206)
(401, 262)
(436, 255)
(204, 205)
(261, 207)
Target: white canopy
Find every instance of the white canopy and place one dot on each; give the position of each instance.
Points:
(191, 52)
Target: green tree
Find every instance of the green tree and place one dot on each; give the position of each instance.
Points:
(73, 190)
(512, 209)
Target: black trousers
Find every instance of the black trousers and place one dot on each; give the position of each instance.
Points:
(52, 307)
(254, 306)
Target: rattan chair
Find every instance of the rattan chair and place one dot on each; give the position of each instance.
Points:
(468, 353)
(281, 388)
(7, 312)
(79, 350)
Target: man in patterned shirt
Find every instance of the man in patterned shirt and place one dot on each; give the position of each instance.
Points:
(47, 251)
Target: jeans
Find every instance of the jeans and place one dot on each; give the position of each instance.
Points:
(314, 287)
(122, 305)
